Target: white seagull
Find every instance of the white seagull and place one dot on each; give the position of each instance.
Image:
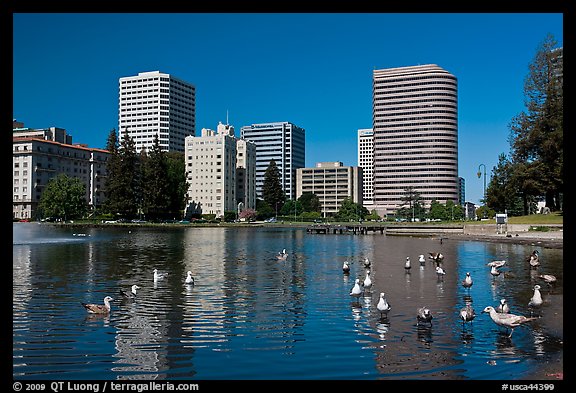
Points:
(189, 279)
(158, 276)
(367, 280)
(346, 267)
(407, 264)
(503, 307)
(99, 308)
(497, 264)
(534, 259)
(356, 290)
(383, 306)
(130, 294)
(536, 299)
(509, 321)
(421, 259)
(494, 271)
(424, 316)
(439, 271)
(467, 282)
(548, 278)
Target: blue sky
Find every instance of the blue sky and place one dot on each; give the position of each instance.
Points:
(310, 69)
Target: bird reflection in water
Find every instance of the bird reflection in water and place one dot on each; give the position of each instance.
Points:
(424, 333)
(382, 328)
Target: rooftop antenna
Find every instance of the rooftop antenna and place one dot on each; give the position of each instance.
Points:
(227, 116)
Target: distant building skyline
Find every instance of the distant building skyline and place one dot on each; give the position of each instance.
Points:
(155, 104)
(283, 142)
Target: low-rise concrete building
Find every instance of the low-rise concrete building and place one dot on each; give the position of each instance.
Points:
(332, 182)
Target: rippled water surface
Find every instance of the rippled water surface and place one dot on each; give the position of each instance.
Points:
(250, 316)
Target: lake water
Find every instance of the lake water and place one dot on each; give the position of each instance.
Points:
(252, 317)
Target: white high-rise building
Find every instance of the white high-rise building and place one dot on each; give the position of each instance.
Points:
(220, 170)
(415, 123)
(156, 104)
(282, 142)
(366, 162)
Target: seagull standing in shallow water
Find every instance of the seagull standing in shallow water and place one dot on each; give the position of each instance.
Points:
(99, 308)
(421, 259)
(509, 321)
(503, 307)
(383, 306)
(356, 290)
(467, 282)
(440, 272)
(407, 265)
(536, 299)
(467, 314)
(424, 315)
(367, 280)
(158, 276)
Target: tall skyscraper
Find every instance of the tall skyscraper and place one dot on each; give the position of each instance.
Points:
(282, 142)
(156, 104)
(366, 162)
(415, 123)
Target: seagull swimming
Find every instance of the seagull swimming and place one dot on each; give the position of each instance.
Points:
(467, 314)
(367, 262)
(367, 280)
(424, 316)
(189, 279)
(356, 290)
(503, 307)
(534, 259)
(494, 271)
(130, 294)
(346, 267)
(99, 308)
(548, 278)
(282, 255)
(497, 264)
(383, 306)
(467, 282)
(509, 321)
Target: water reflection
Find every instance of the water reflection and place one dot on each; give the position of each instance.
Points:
(259, 317)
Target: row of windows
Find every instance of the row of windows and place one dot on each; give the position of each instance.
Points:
(426, 76)
(400, 117)
(426, 81)
(401, 126)
(430, 101)
(384, 93)
(415, 133)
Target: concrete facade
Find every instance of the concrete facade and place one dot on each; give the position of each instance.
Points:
(156, 104)
(332, 182)
(36, 160)
(415, 123)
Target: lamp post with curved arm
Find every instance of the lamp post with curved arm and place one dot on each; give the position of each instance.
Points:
(480, 174)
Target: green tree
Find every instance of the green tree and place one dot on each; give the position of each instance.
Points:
(310, 202)
(64, 197)
(373, 216)
(177, 183)
(412, 206)
(264, 210)
(502, 194)
(155, 191)
(437, 210)
(350, 210)
(122, 185)
(272, 191)
(536, 136)
(291, 208)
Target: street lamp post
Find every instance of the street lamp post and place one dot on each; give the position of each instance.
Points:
(480, 174)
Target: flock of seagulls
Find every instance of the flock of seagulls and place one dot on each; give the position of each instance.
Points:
(500, 314)
(105, 308)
